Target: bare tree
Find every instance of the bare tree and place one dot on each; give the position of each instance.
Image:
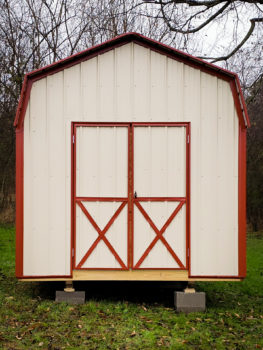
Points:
(255, 157)
(229, 33)
(34, 33)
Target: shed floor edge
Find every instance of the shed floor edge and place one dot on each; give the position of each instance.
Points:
(134, 275)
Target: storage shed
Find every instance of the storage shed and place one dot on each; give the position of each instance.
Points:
(131, 165)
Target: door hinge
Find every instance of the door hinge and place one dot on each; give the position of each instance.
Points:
(188, 253)
(72, 251)
(73, 139)
(188, 138)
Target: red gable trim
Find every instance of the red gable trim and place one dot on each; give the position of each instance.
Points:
(119, 41)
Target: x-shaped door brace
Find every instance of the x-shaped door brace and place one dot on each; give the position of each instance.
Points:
(159, 234)
(101, 234)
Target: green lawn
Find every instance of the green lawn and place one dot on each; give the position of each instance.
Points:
(129, 316)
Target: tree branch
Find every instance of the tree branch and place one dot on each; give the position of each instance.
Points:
(250, 31)
(190, 31)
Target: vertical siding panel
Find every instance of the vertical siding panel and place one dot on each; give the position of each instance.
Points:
(56, 166)
(235, 197)
(157, 171)
(208, 218)
(175, 91)
(175, 233)
(72, 112)
(106, 162)
(39, 186)
(223, 180)
(89, 81)
(192, 112)
(123, 83)
(142, 162)
(230, 185)
(29, 234)
(106, 68)
(141, 76)
(176, 155)
(227, 184)
(117, 235)
(158, 95)
(67, 205)
(72, 93)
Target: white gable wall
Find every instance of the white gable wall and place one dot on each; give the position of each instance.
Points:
(131, 84)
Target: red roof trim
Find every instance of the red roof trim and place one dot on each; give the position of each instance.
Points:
(119, 41)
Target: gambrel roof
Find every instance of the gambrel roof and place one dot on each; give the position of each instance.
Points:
(139, 39)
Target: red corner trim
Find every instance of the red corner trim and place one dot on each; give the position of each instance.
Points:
(116, 42)
(19, 201)
(238, 86)
(242, 203)
(240, 108)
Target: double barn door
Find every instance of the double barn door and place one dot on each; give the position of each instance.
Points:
(130, 203)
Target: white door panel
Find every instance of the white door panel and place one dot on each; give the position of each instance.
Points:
(160, 197)
(101, 197)
(101, 161)
(159, 161)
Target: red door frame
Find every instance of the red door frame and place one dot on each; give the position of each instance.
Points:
(131, 201)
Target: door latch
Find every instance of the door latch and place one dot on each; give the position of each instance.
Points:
(135, 194)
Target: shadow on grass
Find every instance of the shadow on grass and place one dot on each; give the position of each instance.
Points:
(134, 292)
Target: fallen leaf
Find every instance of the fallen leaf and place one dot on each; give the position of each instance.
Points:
(133, 333)
(79, 326)
(144, 308)
(40, 344)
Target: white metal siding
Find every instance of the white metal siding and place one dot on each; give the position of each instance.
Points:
(131, 83)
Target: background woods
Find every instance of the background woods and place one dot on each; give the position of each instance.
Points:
(34, 33)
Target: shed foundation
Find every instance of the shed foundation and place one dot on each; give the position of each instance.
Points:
(70, 297)
(189, 302)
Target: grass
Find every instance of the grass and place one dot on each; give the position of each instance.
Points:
(129, 316)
